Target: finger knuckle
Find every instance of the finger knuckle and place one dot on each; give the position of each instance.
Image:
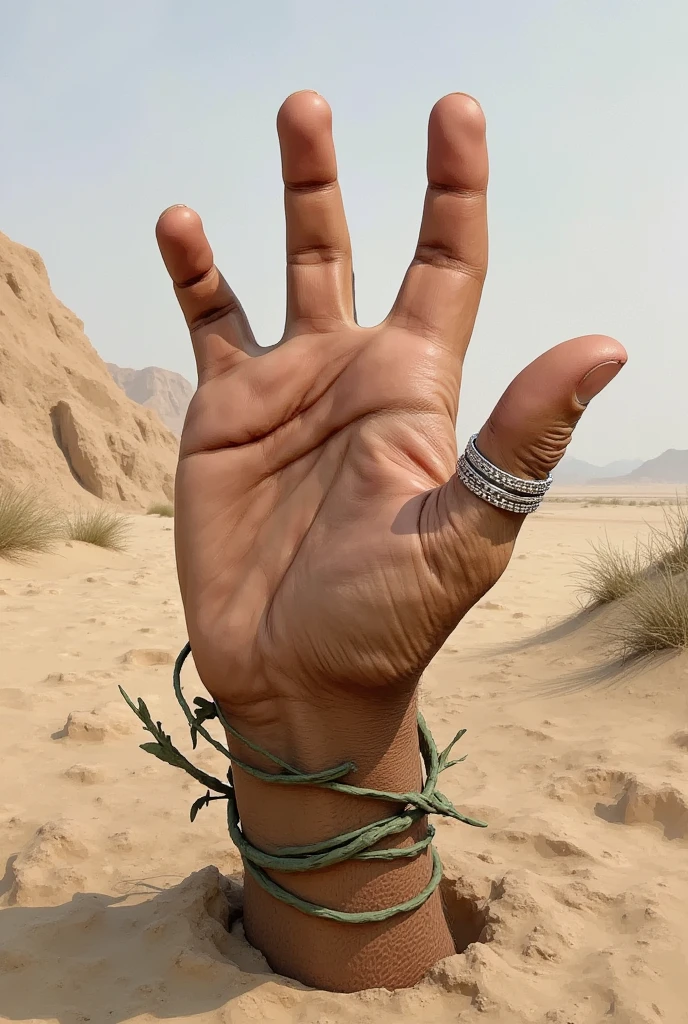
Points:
(442, 258)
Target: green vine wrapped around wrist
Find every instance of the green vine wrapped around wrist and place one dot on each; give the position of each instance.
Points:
(355, 845)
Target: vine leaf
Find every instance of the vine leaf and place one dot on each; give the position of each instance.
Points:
(205, 711)
(165, 750)
(196, 806)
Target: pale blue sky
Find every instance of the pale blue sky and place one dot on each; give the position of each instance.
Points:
(109, 113)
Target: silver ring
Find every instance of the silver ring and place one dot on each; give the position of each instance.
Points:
(514, 484)
(492, 494)
(497, 487)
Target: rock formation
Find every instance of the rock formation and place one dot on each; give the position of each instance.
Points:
(65, 426)
(166, 392)
(671, 467)
(575, 471)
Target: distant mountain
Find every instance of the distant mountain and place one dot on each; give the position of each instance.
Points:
(166, 392)
(671, 467)
(576, 471)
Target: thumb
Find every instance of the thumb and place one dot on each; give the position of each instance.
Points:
(527, 435)
(530, 427)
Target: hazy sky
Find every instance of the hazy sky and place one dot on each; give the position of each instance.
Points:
(109, 113)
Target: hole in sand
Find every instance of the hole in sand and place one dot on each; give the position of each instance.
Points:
(465, 911)
(662, 807)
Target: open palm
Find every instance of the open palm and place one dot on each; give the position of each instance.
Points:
(323, 541)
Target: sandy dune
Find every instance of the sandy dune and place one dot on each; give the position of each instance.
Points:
(114, 904)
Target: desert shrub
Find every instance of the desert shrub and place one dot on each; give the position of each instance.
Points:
(609, 573)
(103, 527)
(653, 618)
(27, 524)
(161, 509)
(670, 541)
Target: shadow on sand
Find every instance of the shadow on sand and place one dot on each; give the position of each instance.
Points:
(105, 958)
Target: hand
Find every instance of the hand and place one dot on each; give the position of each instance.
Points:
(325, 546)
(324, 543)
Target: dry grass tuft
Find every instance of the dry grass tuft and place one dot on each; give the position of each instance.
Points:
(593, 501)
(654, 618)
(102, 526)
(670, 541)
(610, 573)
(161, 509)
(605, 501)
(27, 524)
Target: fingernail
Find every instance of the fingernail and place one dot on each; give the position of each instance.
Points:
(597, 379)
(174, 206)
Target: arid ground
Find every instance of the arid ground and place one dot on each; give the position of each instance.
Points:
(571, 906)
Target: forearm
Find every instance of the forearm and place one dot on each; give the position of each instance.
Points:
(383, 742)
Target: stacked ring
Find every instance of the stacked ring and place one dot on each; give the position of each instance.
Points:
(497, 487)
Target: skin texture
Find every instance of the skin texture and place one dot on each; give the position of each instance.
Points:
(325, 546)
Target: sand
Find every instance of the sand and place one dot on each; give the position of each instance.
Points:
(113, 903)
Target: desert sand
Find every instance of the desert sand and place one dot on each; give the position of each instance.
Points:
(571, 905)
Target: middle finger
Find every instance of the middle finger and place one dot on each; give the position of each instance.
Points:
(319, 274)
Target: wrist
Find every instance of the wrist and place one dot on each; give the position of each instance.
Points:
(383, 743)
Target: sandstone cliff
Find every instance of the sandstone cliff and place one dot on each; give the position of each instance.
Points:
(65, 426)
(166, 392)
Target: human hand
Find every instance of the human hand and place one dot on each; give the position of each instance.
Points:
(324, 542)
(325, 545)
